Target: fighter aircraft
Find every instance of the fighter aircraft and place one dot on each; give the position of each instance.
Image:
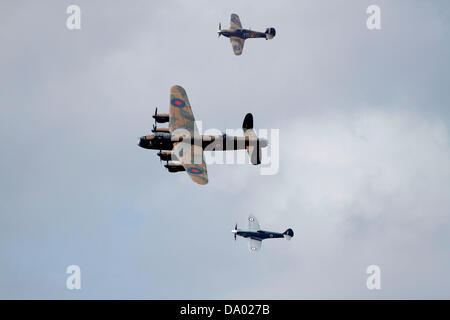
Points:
(255, 235)
(183, 146)
(238, 35)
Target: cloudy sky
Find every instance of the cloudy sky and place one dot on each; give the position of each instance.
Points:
(364, 174)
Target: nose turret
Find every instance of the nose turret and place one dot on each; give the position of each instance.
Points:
(145, 142)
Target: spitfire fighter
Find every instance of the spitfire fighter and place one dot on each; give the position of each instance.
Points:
(238, 35)
(182, 145)
(255, 235)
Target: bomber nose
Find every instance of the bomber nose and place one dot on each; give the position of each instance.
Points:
(142, 142)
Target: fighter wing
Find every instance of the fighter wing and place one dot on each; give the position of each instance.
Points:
(254, 245)
(191, 157)
(253, 224)
(180, 114)
(235, 22)
(237, 44)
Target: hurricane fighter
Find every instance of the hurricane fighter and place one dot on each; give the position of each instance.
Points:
(238, 35)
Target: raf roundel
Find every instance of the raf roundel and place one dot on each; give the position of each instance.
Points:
(195, 170)
(177, 103)
(250, 219)
(237, 48)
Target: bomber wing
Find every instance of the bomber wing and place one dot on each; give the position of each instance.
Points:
(180, 114)
(191, 157)
(237, 44)
(182, 123)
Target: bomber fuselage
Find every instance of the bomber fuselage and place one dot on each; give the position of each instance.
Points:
(165, 141)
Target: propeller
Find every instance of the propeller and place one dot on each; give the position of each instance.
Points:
(154, 127)
(154, 116)
(220, 28)
(235, 232)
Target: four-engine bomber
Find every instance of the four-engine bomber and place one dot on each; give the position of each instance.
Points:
(181, 146)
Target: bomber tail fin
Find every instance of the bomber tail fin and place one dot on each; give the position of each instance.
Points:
(254, 147)
(288, 234)
(270, 33)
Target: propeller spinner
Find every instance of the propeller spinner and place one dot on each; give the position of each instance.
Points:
(235, 231)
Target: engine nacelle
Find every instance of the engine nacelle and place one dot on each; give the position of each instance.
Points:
(174, 167)
(161, 117)
(270, 33)
(165, 155)
(166, 130)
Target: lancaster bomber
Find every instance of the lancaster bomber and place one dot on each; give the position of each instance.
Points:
(238, 35)
(255, 235)
(182, 145)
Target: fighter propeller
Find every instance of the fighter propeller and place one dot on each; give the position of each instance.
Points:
(235, 231)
